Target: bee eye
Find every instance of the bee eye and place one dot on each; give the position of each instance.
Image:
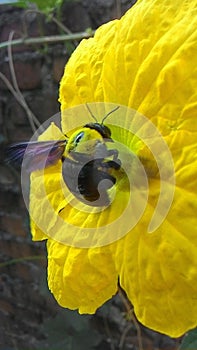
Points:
(78, 137)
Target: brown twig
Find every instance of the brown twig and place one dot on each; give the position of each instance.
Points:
(14, 88)
(31, 117)
(64, 28)
(21, 260)
(112, 347)
(48, 39)
(123, 336)
(118, 8)
(61, 25)
(54, 19)
(20, 101)
(138, 329)
(11, 64)
(130, 312)
(125, 301)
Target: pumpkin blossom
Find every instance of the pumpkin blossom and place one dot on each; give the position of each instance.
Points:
(144, 62)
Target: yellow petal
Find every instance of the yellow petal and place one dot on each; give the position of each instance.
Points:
(158, 270)
(39, 201)
(86, 65)
(81, 278)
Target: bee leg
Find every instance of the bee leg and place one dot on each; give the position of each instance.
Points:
(115, 163)
(114, 153)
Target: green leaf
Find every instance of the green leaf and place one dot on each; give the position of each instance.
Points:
(190, 341)
(47, 6)
(71, 331)
(42, 5)
(19, 3)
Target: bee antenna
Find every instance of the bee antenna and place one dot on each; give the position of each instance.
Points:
(92, 115)
(113, 110)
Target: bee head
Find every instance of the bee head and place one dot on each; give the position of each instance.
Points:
(103, 130)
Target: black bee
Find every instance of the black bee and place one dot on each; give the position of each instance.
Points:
(87, 165)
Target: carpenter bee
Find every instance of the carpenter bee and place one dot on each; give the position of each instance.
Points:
(87, 164)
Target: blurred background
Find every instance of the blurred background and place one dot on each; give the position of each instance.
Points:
(29, 81)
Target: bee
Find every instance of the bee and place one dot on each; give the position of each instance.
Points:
(86, 161)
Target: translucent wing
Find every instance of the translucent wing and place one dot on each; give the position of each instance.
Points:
(35, 155)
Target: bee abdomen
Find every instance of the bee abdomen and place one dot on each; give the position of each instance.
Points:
(90, 183)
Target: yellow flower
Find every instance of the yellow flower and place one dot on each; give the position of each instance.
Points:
(146, 61)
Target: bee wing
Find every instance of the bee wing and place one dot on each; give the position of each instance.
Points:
(36, 155)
